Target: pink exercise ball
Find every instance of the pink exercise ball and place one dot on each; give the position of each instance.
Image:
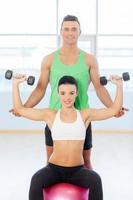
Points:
(65, 191)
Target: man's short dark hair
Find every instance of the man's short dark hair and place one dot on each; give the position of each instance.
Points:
(68, 80)
(70, 18)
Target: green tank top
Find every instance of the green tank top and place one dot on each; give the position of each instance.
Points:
(79, 71)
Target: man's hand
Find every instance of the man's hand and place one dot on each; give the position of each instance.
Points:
(122, 112)
(14, 112)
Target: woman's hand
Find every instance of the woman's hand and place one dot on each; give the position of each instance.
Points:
(122, 112)
(19, 78)
(117, 80)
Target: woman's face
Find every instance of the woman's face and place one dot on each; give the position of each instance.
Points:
(67, 94)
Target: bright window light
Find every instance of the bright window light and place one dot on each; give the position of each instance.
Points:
(115, 16)
(85, 11)
(27, 16)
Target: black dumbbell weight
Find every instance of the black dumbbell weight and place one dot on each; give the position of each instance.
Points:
(104, 80)
(30, 80)
(126, 76)
(9, 74)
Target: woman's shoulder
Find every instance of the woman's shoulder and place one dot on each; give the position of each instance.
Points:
(84, 113)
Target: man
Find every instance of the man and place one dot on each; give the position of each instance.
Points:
(69, 60)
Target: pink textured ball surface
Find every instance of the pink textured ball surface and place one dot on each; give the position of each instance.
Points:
(65, 191)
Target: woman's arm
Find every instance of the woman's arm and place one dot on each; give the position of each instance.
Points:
(30, 113)
(105, 113)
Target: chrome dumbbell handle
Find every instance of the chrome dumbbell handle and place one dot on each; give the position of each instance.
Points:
(9, 74)
(125, 76)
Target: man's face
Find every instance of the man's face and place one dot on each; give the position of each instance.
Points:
(70, 32)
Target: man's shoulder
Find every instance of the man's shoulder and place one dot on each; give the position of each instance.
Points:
(89, 58)
(88, 55)
(48, 59)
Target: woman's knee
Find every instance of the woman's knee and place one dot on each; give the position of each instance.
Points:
(91, 178)
(96, 179)
(95, 176)
(38, 179)
(35, 182)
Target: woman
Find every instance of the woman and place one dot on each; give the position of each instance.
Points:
(68, 127)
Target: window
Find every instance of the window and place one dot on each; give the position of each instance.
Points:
(29, 31)
(115, 17)
(115, 52)
(27, 16)
(23, 54)
(84, 10)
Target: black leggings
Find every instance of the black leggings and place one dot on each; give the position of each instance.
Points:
(52, 174)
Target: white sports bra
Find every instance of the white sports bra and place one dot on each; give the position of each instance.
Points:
(68, 131)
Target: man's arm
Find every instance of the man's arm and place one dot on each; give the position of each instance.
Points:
(101, 91)
(40, 89)
(39, 92)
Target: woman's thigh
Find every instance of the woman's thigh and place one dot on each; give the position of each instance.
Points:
(45, 177)
(85, 178)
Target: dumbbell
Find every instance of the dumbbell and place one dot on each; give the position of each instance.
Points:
(9, 74)
(104, 80)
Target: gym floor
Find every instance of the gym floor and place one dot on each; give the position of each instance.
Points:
(21, 155)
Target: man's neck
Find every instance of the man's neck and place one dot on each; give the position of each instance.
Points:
(69, 49)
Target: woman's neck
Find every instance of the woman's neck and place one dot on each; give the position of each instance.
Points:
(67, 110)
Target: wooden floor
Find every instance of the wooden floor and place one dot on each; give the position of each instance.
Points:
(23, 154)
